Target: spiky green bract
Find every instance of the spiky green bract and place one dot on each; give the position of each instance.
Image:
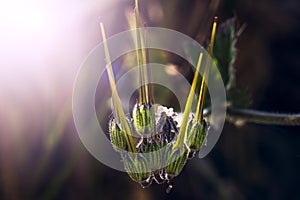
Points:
(144, 119)
(137, 168)
(175, 160)
(195, 136)
(117, 136)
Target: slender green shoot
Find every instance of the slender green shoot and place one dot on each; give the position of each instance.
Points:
(188, 106)
(119, 114)
(200, 105)
(141, 58)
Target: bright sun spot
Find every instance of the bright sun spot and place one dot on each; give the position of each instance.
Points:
(27, 15)
(42, 44)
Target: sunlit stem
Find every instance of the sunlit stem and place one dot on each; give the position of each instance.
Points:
(188, 106)
(144, 64)
(148, 74)
(141, 58)
(197, 118)
(119, 114)
(212, 38)
(239, 116)
(200, 105)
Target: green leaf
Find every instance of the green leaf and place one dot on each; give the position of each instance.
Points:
(224, 56)
(224, 53)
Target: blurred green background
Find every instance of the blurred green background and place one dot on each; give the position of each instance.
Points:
(42, 45)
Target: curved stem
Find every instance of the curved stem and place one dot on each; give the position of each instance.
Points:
(240, 116)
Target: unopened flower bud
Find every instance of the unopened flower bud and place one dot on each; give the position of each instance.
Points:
(144, 119)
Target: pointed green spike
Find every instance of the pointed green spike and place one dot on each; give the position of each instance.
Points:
(143, 112)
(197, 128)
(199, 112)
(188, 106)
(143, 93)
(119, 114)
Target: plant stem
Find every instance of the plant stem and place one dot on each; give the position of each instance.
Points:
(240, 116)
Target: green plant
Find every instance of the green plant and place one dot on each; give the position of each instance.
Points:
(165, 146)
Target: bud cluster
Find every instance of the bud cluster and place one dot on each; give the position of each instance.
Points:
(157, 158)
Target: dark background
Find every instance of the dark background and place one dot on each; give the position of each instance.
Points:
(44, 159)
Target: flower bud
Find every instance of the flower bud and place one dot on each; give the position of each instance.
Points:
(144, 119)
(137, 169)
(176, 159)
(151, 152)
(117, 136)
(195, 136)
